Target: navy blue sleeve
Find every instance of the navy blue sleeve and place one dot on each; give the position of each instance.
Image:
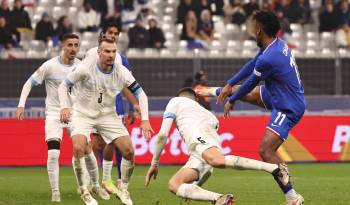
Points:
(244, 72)
(125, 62)
(245, 88)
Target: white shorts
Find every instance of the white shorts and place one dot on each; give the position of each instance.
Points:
(196, 160)
(94, 130)
(54, 127)
(110, 126)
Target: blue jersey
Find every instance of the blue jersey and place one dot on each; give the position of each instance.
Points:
(277, 67)
(119, 105)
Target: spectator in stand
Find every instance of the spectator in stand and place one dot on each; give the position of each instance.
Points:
(5, 10)
(234, 12)
(6, 34)
(182, 10)
(344, 12)
(128, 5)
(138, 35)
(156, 35)
(291, 10)
(110, 11)
(305, 11)
(19, 16)
(206, 26)
(201, 5)
(88, 19)
(64, 26)
(190, 28)
(266, 6)
(218, 7)
(343, 36)
(250, 7)
(328, 18)
(44, 29)
(200, 83)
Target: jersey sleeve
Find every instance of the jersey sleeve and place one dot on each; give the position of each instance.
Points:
(78, 74)
(170, 110)
(39, 75)
(262, 69)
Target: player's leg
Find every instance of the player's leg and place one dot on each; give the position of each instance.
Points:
(53, 155)
(255, 97)
(276, 133)
(107, 165)
(97, 145)
(92, 168)
(53, 137)
(187, 181)
(80, 138)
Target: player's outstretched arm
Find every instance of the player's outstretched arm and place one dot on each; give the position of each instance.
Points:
(244, 89)
(162, 137)
(22, 101)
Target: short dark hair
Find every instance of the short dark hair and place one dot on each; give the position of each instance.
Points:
(188, 90)
(269, 22)
(69, 36)
(108, 25)
(104, 39)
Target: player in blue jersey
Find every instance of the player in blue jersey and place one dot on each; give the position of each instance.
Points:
(282, 92)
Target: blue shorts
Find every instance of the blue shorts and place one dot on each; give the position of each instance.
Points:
(280, 122)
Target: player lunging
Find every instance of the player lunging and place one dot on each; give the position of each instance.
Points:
(99, 80)
(198, 128)
(282, 92)
(53, 72)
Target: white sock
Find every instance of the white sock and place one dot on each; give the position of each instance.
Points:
(238, 162)
(86, 175)
(107, 169)
(291, 195)
(91, 165)
(78, 165)
(194, 192)
(53, 156)
(127, 168)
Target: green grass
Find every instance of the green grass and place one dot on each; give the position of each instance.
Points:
(321, 184)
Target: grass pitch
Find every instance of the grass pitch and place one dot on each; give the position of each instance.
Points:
(320, 184)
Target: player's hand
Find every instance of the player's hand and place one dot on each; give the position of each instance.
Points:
(65, 115)
(131, 117)
(20, 113)
(226, 91)
(146, 129)
(152, 172)
(228, 106)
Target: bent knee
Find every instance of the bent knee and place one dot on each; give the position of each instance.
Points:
(173, 186)
(128, 154)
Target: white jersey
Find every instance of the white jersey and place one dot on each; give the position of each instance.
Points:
(53, 72)
(92, 53)
(95, 90)
(191, 119)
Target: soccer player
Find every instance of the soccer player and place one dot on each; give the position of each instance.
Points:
(110, 31)
(99, 80)
(282, 92)
(198, 128)
(53, 72)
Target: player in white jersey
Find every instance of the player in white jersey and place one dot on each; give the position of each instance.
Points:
(110, 31)
(53, 72)
(198, 128)
(99, 81)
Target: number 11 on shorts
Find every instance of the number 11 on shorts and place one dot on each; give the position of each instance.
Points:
(280, 118)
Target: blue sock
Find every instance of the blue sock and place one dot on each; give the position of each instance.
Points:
(284, 188)
(118, 156)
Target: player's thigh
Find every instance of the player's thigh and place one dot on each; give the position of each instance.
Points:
(97, 142)
(82, 126)
(184, 175)
(256, 97)
(53, 128)
(198, 164)
(214, 157)
(270, 142)
(124, 144)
